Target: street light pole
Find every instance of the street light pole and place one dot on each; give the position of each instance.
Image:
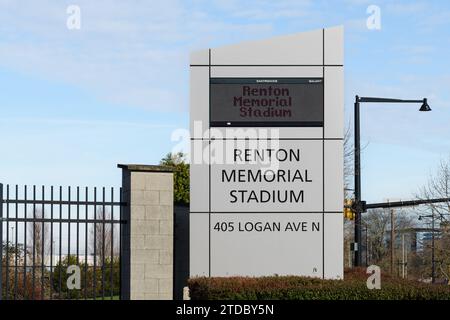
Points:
(357, 149)
(358, 258)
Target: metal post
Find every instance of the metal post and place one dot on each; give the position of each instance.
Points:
(358, 258)
(392, 240)
(403, 256)
(433, 266)
(406, 261)
(125, 241)
(367, 247)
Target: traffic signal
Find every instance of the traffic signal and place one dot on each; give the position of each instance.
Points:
(348, 209)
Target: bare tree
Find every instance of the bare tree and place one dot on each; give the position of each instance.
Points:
(348, 193)
(349, 153)
(38, 243)
(349, 173)
(438, 186)
(104, 236)
(348, 163)
(378, 224)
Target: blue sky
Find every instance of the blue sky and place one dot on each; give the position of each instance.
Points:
(74, 103)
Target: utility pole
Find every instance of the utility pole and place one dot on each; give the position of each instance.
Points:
(392, 240)
(433, 265)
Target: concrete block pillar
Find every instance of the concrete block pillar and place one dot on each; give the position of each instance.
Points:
(147, 237)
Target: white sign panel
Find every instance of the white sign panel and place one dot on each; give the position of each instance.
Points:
(264, 241)
(267, 157)
(285, 175)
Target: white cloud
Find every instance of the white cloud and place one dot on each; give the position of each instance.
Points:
(414, 54)
(266, 9)
(433, 20)
(408, 7)
(358, 2)
(415, 49)
(263, 10)
(131, 53)
(82, 123)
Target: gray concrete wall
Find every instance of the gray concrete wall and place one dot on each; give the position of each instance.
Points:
(147, 239)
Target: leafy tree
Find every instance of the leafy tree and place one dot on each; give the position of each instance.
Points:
(181, 176)
(87, 279)
(60, 277)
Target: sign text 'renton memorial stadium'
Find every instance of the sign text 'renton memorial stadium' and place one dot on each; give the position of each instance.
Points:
(271, 102)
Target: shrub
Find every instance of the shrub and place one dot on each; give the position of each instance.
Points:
(304, 288)
(87, 279)
(18, 283)
(23, 288)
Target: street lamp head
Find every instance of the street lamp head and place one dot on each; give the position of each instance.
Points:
(425, 106)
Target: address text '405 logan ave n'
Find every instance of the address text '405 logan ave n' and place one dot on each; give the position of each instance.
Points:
(274, 226)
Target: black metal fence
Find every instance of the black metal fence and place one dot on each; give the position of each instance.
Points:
(60, 243)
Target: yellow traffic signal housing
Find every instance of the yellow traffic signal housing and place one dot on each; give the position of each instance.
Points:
(348, 209)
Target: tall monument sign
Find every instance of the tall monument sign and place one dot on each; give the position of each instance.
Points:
(267, 157)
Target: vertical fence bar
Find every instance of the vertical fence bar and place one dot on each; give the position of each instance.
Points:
(8, 247)
(1, 241)
(51, 244)
(95, 243)
(68, 227)
(25, 246)
(33, 270)
(68, 257)
(78, 226)
(60, 242)
(103, 244)
(78, 231)
(112, 245)
(43, 244)
(120, 241)
(69, 262)
(16, 246)
(86, 244)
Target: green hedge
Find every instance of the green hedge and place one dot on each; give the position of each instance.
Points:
(303, 288)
